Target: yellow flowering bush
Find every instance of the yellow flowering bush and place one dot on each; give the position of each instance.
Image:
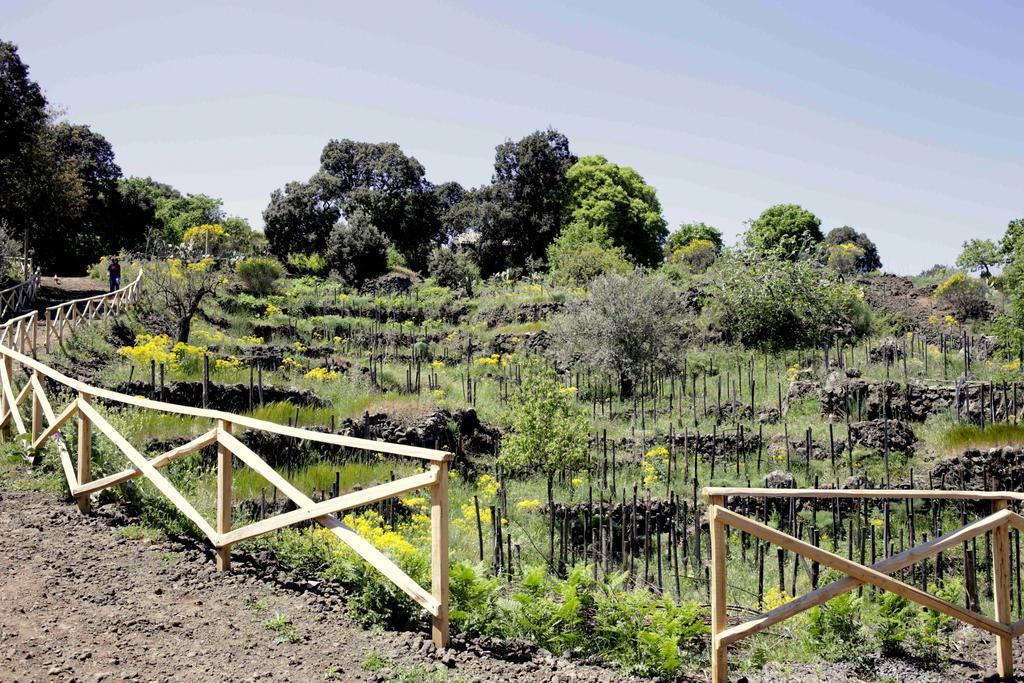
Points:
(250, 340)
(322, 374)
(655, 465)
(229, 363)
(272, 310)
(528, 504)
(289, 362)
(158, 348)
(773, 598)
(437, 364)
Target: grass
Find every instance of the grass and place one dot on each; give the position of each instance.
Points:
(963, 436)
(394, 672)
(281, 624)
(139, 532)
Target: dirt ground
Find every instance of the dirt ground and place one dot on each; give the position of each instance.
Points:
(80, 601)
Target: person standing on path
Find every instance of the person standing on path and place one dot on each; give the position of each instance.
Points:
(114, 271)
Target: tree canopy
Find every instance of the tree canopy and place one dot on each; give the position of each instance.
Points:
(980, 256)
(786, 229)
(690, 232)
(612, 206)
(866, 262)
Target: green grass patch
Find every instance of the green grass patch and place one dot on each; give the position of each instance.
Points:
(961, 437)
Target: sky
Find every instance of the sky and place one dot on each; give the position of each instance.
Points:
(900, 119)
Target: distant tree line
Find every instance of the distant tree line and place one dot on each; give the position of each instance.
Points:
(63, 198)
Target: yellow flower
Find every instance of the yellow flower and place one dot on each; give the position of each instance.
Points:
(227, 363)
(527, 505)
(437, 364)
(250, 340)
(577, 482)
(322, 374)
(774, 598)
(272, 310)
(488, 484)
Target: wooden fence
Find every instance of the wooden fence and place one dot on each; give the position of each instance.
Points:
(17, 298)
(21, 334)
(877, 574)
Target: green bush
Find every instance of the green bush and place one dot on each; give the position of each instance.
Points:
(965, 295)
(454, 270)
(579, 263)
(259, 274)
(780, 304)
(307, 264)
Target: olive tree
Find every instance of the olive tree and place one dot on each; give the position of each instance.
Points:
(174, 289)
(626, 325)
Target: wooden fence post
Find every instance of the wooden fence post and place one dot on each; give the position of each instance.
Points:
(5, 428)
(223, 497)
(1001, 591)
(719, 651)
(84, 454)
(439, 553)
(37, 410)
(49, 322)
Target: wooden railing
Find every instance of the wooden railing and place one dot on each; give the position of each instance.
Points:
(18, 297)
(877, 574)
(21, 334)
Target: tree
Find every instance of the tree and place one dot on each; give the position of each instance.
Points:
(389, 189)
(787, 229)
(965, 296)
(865, 263)
(626, 325)
(611, 205)
(259, 274)
(453, 269)
(357, 250)
(980, 255)
(527, 201)
(776, 304)
(548, 430)
(300, 218)
(845, 258)
(175, 288)
(1011, 240)
(696, 255)
(688, 232)
(578, 264)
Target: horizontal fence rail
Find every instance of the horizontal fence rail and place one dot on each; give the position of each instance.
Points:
(19, 337)
(877, 574)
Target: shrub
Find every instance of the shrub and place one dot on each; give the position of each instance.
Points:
(690, 232)
(259, 274)
(965, 296)
(307, 264)
(786, 230)
(453, 269)
(845, 258)
(578, 264)
(780, 304)
(698, 255)
(358, 251)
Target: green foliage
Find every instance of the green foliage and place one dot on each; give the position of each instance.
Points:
(259, 274)
(474, 599)
(965, 296)
(690, 232)
(358, 252)
(281, 624)
(845, 258)
(612, 206)
(833, 629)
(786, 230)
(697, 255)
(395, 259)
(578, 264)
(626, 324)
(548, 429)
(868, 260)
(453, 269)
(307, 264)
(894, 622)
(980, 255)
(779, 304)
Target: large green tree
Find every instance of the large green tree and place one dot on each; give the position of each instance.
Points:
(612, 206)
(981, 256)
(785, 229)
(867, 262)
(524, 209)
(688, 233)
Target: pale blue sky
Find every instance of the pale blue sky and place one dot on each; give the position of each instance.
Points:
(902, 119)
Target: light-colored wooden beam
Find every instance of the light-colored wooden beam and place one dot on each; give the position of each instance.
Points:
(359, 545)
(1001, 592)
(223, 497)
(719, 617)
(334, 505)
(439, 561)
(161, 460)
(860, 572)
(934, 494)
(889, 565)
(84, 450)
(159, 481)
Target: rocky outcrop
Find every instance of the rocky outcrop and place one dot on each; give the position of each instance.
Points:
(982, 469)
(232, 398)
(881, 434)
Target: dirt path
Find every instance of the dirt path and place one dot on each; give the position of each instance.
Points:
(57, 290)
(80, 601)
